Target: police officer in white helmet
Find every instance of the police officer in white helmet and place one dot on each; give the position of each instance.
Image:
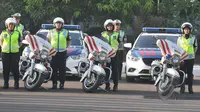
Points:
(60, 40)
(189, 43)
(123, 39)
(113, 39)
(10, 41)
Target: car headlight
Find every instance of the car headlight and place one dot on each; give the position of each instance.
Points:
(83, 55)
(44, 54)
(132, 58)
(77, 57)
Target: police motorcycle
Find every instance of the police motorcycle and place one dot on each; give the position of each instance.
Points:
(34, 65)
(93, 70)
(167, 73)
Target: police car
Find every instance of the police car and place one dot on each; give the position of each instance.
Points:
(144, 51)
(76, 51)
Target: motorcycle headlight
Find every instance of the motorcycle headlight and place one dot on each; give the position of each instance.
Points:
(44, 54)
(102, 55)
(175, 59)
(132, 58)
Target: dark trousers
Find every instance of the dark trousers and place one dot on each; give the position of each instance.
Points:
(113, 66)
(119, 62)
(58, 63)
(188, 69)
(10, 64)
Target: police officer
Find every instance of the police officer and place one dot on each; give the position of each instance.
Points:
(10, 40)
(113, 40)
(18, 26)
(120, 52)
(60, 40)
(189, 43)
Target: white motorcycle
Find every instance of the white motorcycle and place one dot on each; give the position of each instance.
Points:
(34, 65)
(167, 73)
(93, 71)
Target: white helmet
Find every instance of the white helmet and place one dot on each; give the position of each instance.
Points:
(16, 15)
(186, 24)
(10, 20)
(58, 19)
(107, 22)
(117, 21)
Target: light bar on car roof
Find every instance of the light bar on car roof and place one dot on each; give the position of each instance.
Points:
(161, 30)
(69, 27)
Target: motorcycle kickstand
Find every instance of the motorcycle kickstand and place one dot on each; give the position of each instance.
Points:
(102, 89)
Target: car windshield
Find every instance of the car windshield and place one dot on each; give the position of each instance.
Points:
(76, 37)
(149, 41)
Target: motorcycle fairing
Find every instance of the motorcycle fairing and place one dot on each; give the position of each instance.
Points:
(37, 44)
(98, 45)
(168, 47)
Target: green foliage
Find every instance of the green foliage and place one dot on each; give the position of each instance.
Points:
(174, 12)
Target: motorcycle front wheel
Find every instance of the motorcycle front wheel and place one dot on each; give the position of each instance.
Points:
(165, 88)
(90, 84)
(33, 83)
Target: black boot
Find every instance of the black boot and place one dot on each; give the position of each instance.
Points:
(6, 86)
(190, 90)
(16, 85)
(61, 86)
(182, 90)
(54, 86)
(107, 87)
(115, 87)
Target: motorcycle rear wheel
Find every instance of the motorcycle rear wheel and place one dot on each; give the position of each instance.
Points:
(33, 83)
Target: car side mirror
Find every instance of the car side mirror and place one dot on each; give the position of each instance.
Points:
(128, 45)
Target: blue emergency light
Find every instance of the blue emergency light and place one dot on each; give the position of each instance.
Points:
(161, 30)
(68, 27)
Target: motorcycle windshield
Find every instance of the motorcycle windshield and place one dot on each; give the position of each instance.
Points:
(97, 45)
(168, 47)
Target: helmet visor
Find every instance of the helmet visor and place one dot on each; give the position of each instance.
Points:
(110, 24)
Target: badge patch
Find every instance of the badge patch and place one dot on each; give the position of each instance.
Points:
(5, 36)
(114, 37)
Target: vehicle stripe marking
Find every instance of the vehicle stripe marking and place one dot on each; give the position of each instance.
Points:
(32, 44)
(153, 53)
(95, 46)
(52, 53)
(148, 53)
(167, 47)
(36, 42)
(141, 53)
(90, 44)
(163, 47)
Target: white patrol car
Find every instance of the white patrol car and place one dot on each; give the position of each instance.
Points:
(144, 51)
(76, 51)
